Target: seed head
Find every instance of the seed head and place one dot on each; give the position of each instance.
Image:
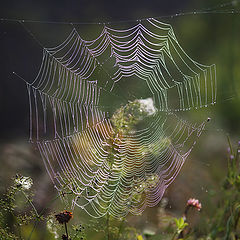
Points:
(63, 217)
(64, 237)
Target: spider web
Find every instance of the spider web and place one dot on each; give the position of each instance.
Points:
(117, 155)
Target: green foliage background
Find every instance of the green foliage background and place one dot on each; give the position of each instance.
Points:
(207, 175)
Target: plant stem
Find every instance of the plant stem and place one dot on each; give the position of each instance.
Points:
(36, 212)
(42, 212)
(66, 229)
(237, 218)
(108, 235)
(34, 226)
(30, 202)
(120, 228)
(19, 230)
(230, 144)
(174, 235)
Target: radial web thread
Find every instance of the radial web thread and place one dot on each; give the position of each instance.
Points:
(109, 169)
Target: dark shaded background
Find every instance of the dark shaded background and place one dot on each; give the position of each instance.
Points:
(199, 35)
(20, 53)
(207, 38)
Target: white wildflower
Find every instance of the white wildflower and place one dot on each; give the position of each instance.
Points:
(24, 182)
(147, 105)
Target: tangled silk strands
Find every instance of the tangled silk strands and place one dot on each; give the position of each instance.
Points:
(111, 169)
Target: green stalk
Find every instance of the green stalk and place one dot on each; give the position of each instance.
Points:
(65, 224)
(120, 228)
(41, 213)
(108, 234)
(230, 145)
(30, 202)
(174, 235)
(36, 212)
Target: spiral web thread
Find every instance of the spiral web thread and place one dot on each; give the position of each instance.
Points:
(110, 171)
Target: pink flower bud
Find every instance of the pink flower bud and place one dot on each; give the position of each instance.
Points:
(192, 202)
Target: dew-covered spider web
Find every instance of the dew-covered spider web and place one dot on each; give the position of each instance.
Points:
(104, 114)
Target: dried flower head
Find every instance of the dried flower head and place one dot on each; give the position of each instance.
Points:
(64, 237)
(192, 202)
(63, 217)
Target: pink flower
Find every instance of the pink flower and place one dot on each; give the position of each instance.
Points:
(192, 202)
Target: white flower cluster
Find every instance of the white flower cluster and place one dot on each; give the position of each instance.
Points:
(147, 105)
(23, 182)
